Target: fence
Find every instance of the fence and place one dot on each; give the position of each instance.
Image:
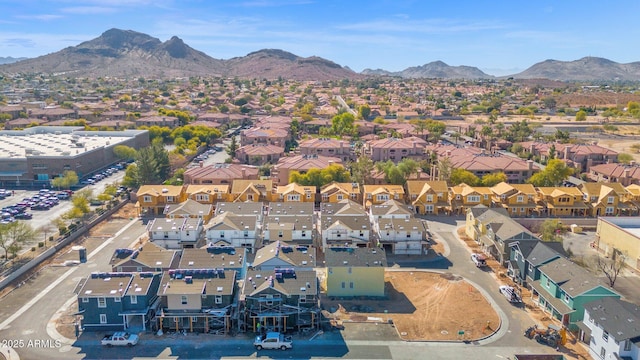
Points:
(533, 223)
(68, 239)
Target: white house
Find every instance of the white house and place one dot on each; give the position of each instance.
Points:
(234, 230)
(297, 229)
(612, 328)
(177, 233)
(400, 236)
(353, 231)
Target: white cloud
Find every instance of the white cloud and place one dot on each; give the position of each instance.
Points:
(41, 17)
(84, 10)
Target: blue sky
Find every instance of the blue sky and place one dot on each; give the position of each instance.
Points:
(499, 37)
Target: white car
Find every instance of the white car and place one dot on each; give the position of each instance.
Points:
(273, 340)
(479, 259)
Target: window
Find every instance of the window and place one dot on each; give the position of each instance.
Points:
(202, 197)
(103, 318)
(609, 210)
(218, 299)
(139, 269)
(146, 198)
(351, 285)
(117, 299)
(339, 197)
(343, 284)
(603, 352)
(520, 198)
(304, 233)
(548, 283)
(330, 270)
(610, 200)
(183, 299)
(430, 198)
(293, 197)
(566, 298)
(222, 234)
(627, 345)
(280, 233)
(85, 300)
(530, 269)
(382, 197)
(102, 302)
(349, 270)
(194, 319)
(134, 299)
(171, 199)
(515, 256)
(473, 198)
(605, 335)
(486, 196)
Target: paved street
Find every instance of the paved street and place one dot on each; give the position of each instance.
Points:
(52, 289)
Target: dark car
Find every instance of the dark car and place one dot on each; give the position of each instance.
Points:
(24, 216)
(41, 206)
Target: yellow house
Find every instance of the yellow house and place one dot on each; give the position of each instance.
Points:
(633, 196)
(606, 199)
(335, 192)
(355, 271)
(617, 236)
(463, 196)
(517, 199)
(377, 194)
(295, 193)
(251, 190)
(562, 201)
(152, 199)
(208, 194)
(428, 197)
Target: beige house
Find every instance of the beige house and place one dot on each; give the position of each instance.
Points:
(619, 236)
(355, 271)
(327, 147)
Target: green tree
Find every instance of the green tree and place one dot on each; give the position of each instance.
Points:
(321, 177)
(131, 177)
(581, 115)
(124, 152)
(361, 170)
(459, 176)
(364, 112)
(233, 147)
(553, 174)
(625, 158)
(551, 230)
(14, 235)
(493, 179)
(445, 168)
(343, 124)
(67, 180)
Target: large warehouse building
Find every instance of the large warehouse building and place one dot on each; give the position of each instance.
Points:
(620, 236)
(33, 156)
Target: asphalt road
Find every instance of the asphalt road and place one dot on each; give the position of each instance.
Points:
(25, 313)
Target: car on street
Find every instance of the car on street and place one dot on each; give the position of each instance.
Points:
(273, 340)
(479, 260)
(119, 338)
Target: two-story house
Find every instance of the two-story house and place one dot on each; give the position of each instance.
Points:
(208, 194)
(494, 230)
(280, 254)
(233, 230)
(214, 257)
(220, 174)
(327, 147)
(355, 271)
(335, 192)
(281, 299)
(117, 301)
(606, 199)
(196, 300)
(294, 193)
(251, 190)
(176, 233)
(378, 194)
(528, 256)
(299, 229)
(152, 199)
(562, 201)
(189, 209)
(517, 199)
(428, 197)
(148, 258)
(610, 327)
(463, 197)
(255, 209)
(563, 289)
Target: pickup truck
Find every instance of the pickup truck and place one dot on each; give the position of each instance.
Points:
(479, 259)
(273, 340)
(511, 294)
(120, 339)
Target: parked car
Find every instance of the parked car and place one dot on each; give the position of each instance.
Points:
(512, 295)
(120, 338)
(24, 216)
(273, 340)
(479, 259)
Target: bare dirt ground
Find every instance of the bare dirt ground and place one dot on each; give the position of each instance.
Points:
(572, 349)
(423, 306)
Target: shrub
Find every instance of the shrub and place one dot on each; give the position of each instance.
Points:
(40, 244)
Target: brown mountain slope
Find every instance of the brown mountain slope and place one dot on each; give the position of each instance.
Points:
(585, 69)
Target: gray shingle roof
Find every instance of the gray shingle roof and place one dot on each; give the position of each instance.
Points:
(355, 257)
(619, 318)
(571, 278)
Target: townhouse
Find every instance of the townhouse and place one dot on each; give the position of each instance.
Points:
(610, 328)
(259, 154)
(344, 224)
(280, 254)
(152, 199)
(355, 271)
(327, 147)
(562, 201)
(220, 174)
(579, 156)
(117, 301)
(335, 192)
(378, 194)
(251, 190)
(301, 164)
(294, 193)
(463, 197)
(233, 230)
(615, 173)
(196, 300)
(189, 209)
(281, 299)
(606, 199)
(177, 233)
(428, 197)
(517, 199)
(148, 258)
(528, 256)
(563, 289)
(208, 194)
(395, 149)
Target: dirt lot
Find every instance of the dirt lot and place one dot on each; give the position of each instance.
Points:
(423, 306)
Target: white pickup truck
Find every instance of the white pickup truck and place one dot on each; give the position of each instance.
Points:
(479, 259)
(273, 340)
(120, 338)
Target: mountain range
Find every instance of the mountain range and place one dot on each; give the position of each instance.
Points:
(127, 53)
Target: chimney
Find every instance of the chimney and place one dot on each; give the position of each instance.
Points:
(201, 163)
(632, 163)
(530, 164)
(449, 152)
(244, 173)
(627, 173)
(567, 152)
(330, 162)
